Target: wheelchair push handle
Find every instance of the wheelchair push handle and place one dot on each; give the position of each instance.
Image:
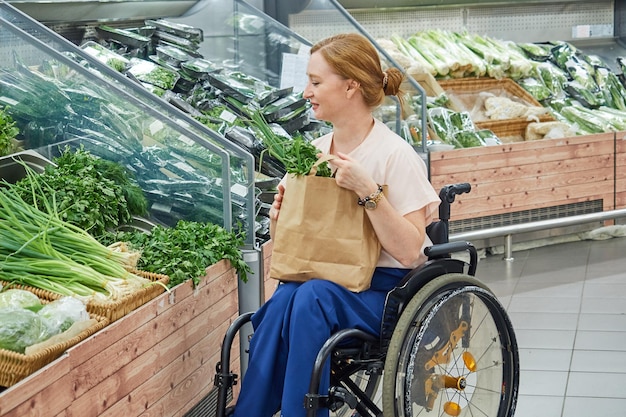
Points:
(447, 195)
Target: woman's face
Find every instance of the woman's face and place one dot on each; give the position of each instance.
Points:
(326, 91)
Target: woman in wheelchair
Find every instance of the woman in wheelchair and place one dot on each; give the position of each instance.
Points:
(346, 83)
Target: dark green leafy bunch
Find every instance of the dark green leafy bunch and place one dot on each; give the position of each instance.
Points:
(8, 132)
(86, 191)
(185, 251)
(296, 154)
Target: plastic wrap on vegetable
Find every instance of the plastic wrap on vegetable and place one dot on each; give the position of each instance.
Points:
(462, 122)
(588, 98)
(179, 29)
(152, 73)
(563, 52)
(536, 52)
(20, 328)
(106, 56)
(293, 104)
(469, 139)
(536, 88)
(583, 85)
(611, 87)
(489, 138)
(615, 117)
(553, 77)
(587, 121)
(242, 87)
(60, 314)
(14, 297)
(439, 121)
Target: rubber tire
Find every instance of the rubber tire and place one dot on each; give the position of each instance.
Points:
(420, 311)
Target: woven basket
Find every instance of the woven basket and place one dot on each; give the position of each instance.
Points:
(114, 309)
(119, 308)
(16, 366)
(464, 94)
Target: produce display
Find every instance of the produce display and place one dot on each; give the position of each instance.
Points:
(579, 90)
(51, 104)
(214, 93)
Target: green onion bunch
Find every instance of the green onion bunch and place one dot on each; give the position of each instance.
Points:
(40, 250)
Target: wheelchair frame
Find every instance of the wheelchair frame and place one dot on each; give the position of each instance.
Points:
(369, 354)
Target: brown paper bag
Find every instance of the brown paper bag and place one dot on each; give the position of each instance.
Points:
(323, 233)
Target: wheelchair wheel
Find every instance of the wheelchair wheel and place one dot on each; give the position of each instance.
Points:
(453, 352)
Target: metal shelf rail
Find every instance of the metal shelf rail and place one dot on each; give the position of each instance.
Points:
(534, 226)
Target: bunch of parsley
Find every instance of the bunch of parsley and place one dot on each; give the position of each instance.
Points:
(185, 251)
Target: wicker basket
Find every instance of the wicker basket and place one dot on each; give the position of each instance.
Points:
(16, 366)
(119, 308)
(465, 95)
(114, 309)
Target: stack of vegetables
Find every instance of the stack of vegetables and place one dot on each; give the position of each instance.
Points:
(580, 90)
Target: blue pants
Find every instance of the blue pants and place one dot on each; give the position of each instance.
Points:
(290, 329)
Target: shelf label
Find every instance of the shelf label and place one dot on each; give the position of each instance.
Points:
(592, 31)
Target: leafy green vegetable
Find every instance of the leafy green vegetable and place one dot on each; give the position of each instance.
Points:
(469, 139)
(185, 251)
(297, 154)
(40, 250)
(89, 192)
(20, 328)
(8, 132)
(14, 297)
(60, 314)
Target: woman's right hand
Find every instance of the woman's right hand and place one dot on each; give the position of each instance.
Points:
(278, 201)
(275, 209)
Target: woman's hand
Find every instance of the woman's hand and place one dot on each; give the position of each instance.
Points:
(352, 176)
(278, 201)
(275, 209)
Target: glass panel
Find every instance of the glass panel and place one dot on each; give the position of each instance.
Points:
(60, 95)
(246, 39)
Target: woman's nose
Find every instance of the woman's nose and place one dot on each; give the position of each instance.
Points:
(307, 92)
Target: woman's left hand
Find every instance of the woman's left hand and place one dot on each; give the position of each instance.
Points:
(352, 176)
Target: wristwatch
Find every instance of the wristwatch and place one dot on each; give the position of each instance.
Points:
(371, 201)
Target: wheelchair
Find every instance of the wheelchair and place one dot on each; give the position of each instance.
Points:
(446, 345)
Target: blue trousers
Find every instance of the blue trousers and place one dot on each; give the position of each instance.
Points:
(290, 329)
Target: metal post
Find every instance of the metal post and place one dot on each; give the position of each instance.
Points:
(508, 248)
(251, 295)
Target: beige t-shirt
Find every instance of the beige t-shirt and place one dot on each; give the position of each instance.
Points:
(393, 162)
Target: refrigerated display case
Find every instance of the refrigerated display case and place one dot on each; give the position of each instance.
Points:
(60, 95)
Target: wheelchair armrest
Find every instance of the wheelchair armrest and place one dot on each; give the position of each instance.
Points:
(445, 249)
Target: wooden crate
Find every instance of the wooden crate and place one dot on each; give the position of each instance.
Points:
(157, 360)
(620, 170)
(529, 175)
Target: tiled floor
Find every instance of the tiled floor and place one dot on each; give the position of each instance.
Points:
(567, 303)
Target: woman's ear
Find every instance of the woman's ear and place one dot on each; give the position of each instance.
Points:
(353, 86)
